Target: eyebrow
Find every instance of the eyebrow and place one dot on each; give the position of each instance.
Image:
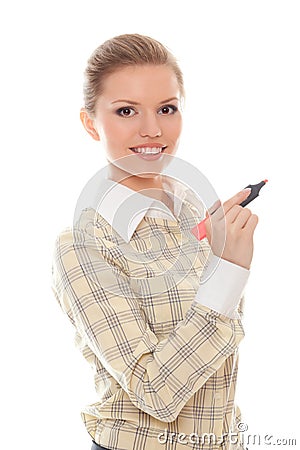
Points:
(136, 103)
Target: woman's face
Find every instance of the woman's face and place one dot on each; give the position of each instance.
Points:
(138, 114)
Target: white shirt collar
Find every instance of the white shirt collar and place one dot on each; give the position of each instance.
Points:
(124, 208)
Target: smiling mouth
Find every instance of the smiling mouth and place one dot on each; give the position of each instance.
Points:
(148, 150)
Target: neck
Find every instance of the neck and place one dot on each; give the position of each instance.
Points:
(134, 182)
(149, 186)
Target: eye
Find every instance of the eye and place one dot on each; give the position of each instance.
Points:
(167, 110)
(125, 111)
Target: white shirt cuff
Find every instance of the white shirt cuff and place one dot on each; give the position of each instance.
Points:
(221, 286)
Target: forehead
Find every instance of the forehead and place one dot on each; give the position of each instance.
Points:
(147, 82)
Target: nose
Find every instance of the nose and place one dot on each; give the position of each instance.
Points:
(150, 126)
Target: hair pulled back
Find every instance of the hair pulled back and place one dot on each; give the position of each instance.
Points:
(123, 51)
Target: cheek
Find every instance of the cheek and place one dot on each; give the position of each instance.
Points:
(174, 128)
(119, 130)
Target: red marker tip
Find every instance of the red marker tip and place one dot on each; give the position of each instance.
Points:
(266, 181)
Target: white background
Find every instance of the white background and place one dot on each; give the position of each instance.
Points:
(241, 65)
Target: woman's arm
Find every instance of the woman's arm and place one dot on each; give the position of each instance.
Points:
(159, 376)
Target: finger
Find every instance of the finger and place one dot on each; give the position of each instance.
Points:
(251, 224)
(233, 213)
(233, 201)
(241, 218)
(236, 199)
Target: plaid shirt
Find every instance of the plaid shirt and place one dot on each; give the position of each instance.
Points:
(165, 365)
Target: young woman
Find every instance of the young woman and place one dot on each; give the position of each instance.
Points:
(163, 345)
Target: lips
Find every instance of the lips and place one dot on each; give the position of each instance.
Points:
(149, 149)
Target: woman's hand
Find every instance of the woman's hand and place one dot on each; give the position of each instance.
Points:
(230, 230)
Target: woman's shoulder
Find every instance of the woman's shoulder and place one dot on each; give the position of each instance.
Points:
(91, 233)
(64, 237)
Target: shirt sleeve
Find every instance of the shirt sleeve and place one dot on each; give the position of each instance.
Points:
(222, 285)
(159, 375)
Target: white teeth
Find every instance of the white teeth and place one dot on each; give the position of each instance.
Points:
(148, 150)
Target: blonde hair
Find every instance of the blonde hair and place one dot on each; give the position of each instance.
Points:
(121, 51)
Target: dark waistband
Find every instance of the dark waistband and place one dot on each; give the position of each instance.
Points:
(97, 447)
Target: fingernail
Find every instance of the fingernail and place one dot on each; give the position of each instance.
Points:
(245, 190)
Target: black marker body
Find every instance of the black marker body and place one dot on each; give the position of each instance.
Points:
(255, 188)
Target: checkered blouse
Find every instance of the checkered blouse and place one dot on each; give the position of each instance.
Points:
(165, 365)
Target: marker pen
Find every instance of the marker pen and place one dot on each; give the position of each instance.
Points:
(199, 230)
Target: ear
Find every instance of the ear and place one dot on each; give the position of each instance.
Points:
(88, 124)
